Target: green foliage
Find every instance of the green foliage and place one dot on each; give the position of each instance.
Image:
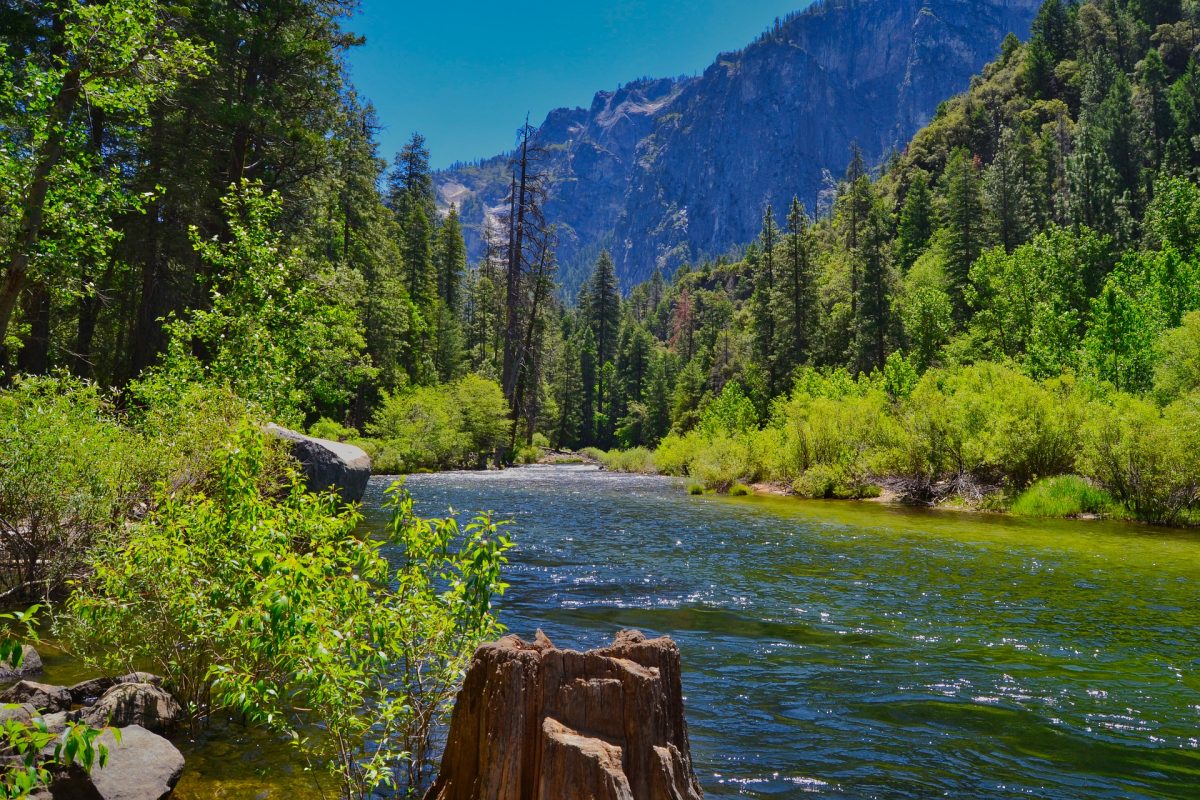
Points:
(740, 490)
(70, 473)
(1147, 457)
(1062, 496)
(730, 413)
(636, 459)
(456, 425)
(273, 333)
(276, 611)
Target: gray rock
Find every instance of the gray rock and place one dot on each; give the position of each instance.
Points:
(17, 712)
(143, 766)
(328, 465)
(31, 664)
(144, 704)
(42, 696)
(57, 722)
(86, 693)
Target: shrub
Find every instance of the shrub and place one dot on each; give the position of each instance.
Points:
(432, 427)
(637, 459)
(695, 489)
(739, 490)
(70, 472)
(273, 609)
(675, 453)
(824, 482)
(1062, 496)
(594, 454)
(723, 461)
(1148, 458)
(325, 428)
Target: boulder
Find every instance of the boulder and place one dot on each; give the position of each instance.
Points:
(85, 693)
(42, 696)
(328, 465)
(144, 704)
(142, 766)
(31, 664)
(533, 722)
(22, 712)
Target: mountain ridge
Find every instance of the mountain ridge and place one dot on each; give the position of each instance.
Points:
(666, 171)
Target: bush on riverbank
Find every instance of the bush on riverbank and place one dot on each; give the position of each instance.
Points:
(453, 426)
(272, 609)
(1062, 496)
(968, 434)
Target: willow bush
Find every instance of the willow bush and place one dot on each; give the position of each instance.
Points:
(275, 609)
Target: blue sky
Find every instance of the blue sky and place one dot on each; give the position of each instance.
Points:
(465, 73)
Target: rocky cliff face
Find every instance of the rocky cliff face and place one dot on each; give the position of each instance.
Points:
(669, 171)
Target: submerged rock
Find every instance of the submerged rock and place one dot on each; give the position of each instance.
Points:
(142, 766)
(533, 722)
(328, 465)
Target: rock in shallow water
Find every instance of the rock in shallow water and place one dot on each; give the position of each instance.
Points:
(533, 722)
(142, 766)
(143, 704)
(31, 664)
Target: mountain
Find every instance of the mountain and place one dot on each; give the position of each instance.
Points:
(663, 172)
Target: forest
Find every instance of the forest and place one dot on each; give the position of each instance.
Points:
(199, 236)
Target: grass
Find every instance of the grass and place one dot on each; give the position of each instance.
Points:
(1062, 496)
(637, 459)
(739, 490)
(695, 489)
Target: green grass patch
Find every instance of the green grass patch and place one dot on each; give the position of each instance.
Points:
(739, 490)
(695, 489)
(1062, 496)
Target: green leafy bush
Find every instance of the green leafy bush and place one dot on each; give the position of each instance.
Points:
(431, 427)
(70, 473)
(739, 490)
(1062, 496)
(636, 459)
(1148, 458)
(272, 608)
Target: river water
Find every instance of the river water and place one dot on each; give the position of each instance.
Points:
(863, 651)
(846, 650)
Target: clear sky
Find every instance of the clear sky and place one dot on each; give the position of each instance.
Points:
(465, 72)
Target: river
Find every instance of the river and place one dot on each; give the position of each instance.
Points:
(856, 650)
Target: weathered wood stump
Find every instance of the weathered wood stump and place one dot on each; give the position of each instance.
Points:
(533, 722)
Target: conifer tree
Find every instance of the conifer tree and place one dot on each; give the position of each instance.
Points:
(916, 222)
(601, 304)
(797, 291)
(763, 322)
(962, 219)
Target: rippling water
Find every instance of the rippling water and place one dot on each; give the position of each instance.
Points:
(862, 651)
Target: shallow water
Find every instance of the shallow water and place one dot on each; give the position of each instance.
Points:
(864, 651)
(847, 649)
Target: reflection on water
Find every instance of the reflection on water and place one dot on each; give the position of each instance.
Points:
(849, 649)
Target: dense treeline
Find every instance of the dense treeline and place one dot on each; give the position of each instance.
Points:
(1043, 225)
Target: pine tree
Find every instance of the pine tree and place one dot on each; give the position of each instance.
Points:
(796, 296)
(411, 180)
(1008, 192)
(962, 219)
(874, 320)
(451, 260)
(762, 305)
(420, 279)
(916, 222)
(601, 305)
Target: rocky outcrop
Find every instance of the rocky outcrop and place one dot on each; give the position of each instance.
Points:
(665, 172)
(328, 465)
(42, 696)
(31, 664)
(141, 766)
(533, 722)
(142, 704)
